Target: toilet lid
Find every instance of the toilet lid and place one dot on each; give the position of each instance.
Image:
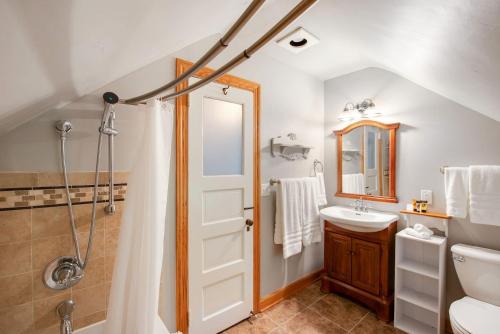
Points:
(475, 316)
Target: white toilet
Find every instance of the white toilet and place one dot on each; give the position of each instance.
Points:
(479, 272)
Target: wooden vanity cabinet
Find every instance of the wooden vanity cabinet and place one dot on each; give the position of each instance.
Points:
(360, 265)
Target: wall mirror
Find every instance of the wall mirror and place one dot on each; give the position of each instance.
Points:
(366, 161)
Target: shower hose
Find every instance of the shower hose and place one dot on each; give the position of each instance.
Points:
(82, 263)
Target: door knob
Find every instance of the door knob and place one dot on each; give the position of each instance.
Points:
(249, 223)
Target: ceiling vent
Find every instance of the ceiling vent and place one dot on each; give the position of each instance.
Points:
(298, 40)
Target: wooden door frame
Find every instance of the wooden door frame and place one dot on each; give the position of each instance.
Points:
(181, 153)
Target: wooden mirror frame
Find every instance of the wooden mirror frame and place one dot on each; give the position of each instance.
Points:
(392, 160)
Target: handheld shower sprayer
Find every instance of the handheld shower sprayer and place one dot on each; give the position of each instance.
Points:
(66, 271)
(110, 99)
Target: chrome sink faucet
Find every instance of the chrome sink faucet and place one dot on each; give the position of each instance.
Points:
(360, 205)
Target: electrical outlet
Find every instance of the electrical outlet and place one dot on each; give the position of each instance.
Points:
(426, 195)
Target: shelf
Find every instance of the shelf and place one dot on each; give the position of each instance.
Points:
(413, 326)
(420, 299)
(289, 149)
(419, 268)
(426, 214)
(434, 240)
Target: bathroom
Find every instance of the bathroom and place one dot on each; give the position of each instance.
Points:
(430, 68)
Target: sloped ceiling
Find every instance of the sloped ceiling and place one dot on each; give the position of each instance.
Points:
(451, 47)
(55, 51)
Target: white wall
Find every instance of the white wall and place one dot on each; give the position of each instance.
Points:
(290, 102)
(434, 132)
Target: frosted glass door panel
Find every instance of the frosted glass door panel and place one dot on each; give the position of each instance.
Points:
(222, 137)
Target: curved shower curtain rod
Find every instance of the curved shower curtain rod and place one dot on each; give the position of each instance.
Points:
(218, 47)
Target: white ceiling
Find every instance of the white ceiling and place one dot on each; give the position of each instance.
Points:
(55, 51)
(451, 47)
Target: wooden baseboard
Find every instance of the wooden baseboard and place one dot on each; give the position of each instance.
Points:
(280, 294)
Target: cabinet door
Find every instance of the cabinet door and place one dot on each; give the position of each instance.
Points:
(338, 256)
(366, 265)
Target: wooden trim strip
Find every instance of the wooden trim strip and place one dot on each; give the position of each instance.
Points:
(426, 214)
(285, 292)
(369, 197)
(358, 124)
(182, 107)
(181, 213)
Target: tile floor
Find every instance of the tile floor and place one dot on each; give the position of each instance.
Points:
(311, 311)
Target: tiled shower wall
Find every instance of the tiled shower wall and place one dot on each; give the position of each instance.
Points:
(35, 229)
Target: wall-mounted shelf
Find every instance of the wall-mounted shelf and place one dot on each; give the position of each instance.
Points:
(432, 219)
(419, 303)
(288, 148)
(426, 214)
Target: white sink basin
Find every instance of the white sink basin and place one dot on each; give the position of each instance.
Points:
(348, 218)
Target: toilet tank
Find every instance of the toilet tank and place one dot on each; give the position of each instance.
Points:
(478, 270)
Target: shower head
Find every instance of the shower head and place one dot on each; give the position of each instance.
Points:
(63, 127)
(110, 97)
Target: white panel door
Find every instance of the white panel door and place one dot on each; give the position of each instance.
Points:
(220, 203)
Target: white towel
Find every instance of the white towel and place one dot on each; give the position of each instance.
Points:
(288, 226)
(456, 188)
(420, 231)
(321, 189)
(484, 185)
(353, 183)
(311, 223)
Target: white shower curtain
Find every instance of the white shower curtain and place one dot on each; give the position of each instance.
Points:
(133, 304)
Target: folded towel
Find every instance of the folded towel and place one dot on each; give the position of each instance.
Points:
(456, 188)
(311, 222)
(420, 231)
(288, 226)
(484, 185)
(353, 183)
(321, 189)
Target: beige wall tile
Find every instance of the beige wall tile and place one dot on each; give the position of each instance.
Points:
(50, 179)
(97, 244)
(82, 178)
(89, 320)
(90, 300)
(47, 249)
(16, 319)
(83, 216)
(119, 177)
(55, 221)
(109, 264)
(15, 226)
(45, 310)
(40, 291)
(114, 221)
(16, 290)
(108, 292)
(50, 222)
(50, 330)
(15, 258)
(111, 241)
(17, 180)
(94, 274)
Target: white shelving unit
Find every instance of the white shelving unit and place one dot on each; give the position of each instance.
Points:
(419, 301)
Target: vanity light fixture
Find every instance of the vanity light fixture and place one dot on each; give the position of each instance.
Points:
(363, 110)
